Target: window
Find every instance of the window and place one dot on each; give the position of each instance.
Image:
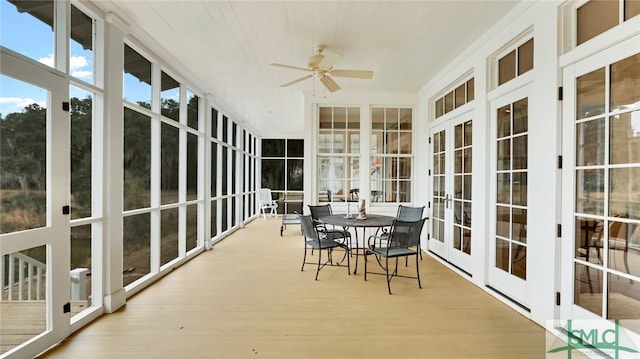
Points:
(455, 98)
(282, 170)
(391, 154)
(516, 62)
(338, 154)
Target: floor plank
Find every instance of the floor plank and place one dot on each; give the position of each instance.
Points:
(248, 298)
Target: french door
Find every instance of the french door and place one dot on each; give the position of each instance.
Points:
(508, 195)
(34, 231)
(601, 190)
(451, 173)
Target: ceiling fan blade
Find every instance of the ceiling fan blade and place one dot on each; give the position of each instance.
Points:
(291, 67)
(359, 74)
(296, 81)
(329, 83)
(330, 59)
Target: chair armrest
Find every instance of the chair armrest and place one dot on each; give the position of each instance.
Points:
(375, 241)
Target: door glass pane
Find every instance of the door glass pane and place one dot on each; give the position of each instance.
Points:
(504, 121)
(81, 45)
(502, 255)
(624, 137)
(623, 298)
(596, 17)
(18, 18)
(23, 306)
(587, 288)
(590, 94)
(590, 142)
(588, 241)
(136, 247)
(81, 268)
(23, 156)
(631, 9)
(625, 76)
(590, 191)
(192, 109)
(624, 190)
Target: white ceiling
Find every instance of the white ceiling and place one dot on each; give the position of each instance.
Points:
(225, 47)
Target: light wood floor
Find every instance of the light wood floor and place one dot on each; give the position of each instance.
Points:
(247, 298)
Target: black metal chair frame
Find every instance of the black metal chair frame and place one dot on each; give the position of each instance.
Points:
(404, 236)
(319, 211)
(409, 214)
(315, 241)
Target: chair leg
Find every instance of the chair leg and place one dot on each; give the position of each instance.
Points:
(387, 271)
(304, 259)
(365, 264)
(418, 272)
(319, 261)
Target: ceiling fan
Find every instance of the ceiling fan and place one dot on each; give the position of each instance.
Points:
(321, 66)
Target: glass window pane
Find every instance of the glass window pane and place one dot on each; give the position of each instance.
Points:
(391, 119)
(377, 118)
(520, 144)
(457, 161)
(631, 9)
(504, 154)
(467, 160)
(353, 117)
(169, 158)
(519, 261)
(525, 57)
(354, 141)
(137, 78)
(588, 241)
(624, 188)
(81, 155)
(590, 191)
(81, 46)
(587, 288)
(224, 173)
(225, 129)
(590, 143)
(295, 148)
(460, 96)
(192, 109)
(448, 102)
(192, 227)
(273, 174)
(18, 18)
(340, 118)
(405, 143)
(29, 267)
(470, 90)
(273, 147)
(502, 255)
(170, 97)
(623, 299)
(590, 94)
(503, 221)
(625, 77)
(625, 138)
(504, 121)
(214, 123)
(214, 219)
(136, 256)
(467, 188)
(519, 188)
(192, 166)
(503, 188)
(439, 107)
(214, 169)
(406, 118)
(325, 119)
(507, 67)
(23, 156)
(468, 133)
(295, 175)
(520, 116)
(81, 267)
(519, 225)
(137, 159)
(168, 235)
(596, 17)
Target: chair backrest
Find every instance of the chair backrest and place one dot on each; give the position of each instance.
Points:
(308, 228)
(320, 211)
(265, 195)
(409, 214)
(405, 234)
